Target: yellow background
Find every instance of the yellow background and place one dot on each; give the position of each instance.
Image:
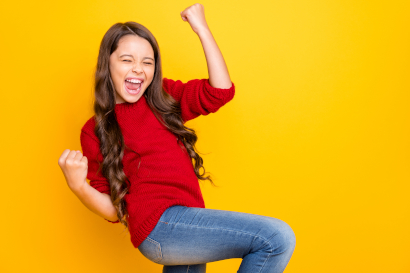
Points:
(317, 134)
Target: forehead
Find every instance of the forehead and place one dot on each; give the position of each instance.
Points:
(134, 45)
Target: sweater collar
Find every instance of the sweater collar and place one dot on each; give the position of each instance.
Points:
(126, 107)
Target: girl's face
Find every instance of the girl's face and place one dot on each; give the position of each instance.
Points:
(132, 60)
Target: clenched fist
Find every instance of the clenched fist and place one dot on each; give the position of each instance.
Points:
(75, 167)
(195, 16)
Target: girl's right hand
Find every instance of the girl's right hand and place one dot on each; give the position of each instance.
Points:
(75, 167)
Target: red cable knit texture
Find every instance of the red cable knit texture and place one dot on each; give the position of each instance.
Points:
(165, 176)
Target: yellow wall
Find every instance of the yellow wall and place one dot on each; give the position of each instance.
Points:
(317, 134)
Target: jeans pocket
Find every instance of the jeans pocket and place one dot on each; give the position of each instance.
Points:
(151, 249)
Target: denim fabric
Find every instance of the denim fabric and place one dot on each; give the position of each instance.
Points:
(186, 238)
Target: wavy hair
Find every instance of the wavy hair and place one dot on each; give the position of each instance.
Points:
(165, 108)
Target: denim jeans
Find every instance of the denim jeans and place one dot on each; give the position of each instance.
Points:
(186, 238)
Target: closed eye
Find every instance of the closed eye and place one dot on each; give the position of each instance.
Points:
(131, 61)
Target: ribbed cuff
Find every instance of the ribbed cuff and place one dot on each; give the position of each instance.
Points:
(225, 94)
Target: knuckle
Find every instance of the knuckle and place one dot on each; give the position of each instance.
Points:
(69, 162)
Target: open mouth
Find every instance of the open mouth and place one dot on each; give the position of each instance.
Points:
(133, 87)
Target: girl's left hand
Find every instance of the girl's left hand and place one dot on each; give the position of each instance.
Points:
(196, 17)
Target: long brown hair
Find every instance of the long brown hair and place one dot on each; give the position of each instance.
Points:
(165, 108)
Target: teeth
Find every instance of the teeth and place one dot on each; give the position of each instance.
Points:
(134, 81)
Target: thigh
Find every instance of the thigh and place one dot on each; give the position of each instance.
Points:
(191, 235)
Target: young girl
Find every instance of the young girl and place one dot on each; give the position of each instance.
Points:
(138, 157)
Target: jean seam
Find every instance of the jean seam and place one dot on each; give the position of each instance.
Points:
(159, 251)
(249, 248)
(265, 262)
(263, 239)
(269, 253)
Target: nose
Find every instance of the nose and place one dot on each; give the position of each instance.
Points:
(137, 68)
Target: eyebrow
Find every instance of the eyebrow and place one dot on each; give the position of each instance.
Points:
(133, 57)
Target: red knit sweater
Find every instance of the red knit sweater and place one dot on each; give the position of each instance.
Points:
(166, 174)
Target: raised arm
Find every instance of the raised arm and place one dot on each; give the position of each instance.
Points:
(217, 69)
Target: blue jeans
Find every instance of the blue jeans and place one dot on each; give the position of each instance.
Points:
(186, 238)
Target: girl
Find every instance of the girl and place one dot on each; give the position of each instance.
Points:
(138, 157)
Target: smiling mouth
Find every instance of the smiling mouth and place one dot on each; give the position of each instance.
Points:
(132, 88)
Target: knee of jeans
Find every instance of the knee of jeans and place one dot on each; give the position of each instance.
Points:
(283, 237)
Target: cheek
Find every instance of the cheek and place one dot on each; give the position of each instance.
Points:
(118, 74)
(151, 72)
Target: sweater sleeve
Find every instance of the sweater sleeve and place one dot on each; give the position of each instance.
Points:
(198, 97)
(91, 150)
